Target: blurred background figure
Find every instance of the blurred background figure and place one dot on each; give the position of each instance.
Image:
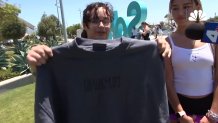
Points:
(158, 31)
(134, 32)
(144, 31)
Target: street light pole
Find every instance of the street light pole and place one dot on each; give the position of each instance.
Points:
(63, 21)
(59, 24)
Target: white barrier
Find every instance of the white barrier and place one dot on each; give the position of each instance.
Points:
(16, 82)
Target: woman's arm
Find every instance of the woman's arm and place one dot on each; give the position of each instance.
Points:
(214, 107)
(171, 92)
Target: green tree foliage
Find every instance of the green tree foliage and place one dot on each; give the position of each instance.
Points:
(49, 27)
(13, 30)
(7, 12)
(215, 19)
(71, 30)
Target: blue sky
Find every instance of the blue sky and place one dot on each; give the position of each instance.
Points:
(32, 10)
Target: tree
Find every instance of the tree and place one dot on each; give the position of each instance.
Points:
(49, 27)
(13, 30)
(71, 30)
(7, 12)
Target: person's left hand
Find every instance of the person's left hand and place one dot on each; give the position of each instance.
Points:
(164, 47)
(206, 120)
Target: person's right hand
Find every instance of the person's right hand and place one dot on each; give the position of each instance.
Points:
(38, 55)
(186, 119)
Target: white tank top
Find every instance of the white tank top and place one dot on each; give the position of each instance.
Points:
(192, 69)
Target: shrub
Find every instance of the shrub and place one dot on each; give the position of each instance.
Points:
(3, 59)
(7, 74)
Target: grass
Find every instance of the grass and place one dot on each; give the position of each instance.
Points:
(17, 105)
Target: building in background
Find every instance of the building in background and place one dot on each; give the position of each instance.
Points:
(30, 29)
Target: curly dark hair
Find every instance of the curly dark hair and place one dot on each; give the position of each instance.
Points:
(87, 13)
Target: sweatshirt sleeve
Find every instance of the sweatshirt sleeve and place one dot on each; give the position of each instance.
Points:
(44, 112)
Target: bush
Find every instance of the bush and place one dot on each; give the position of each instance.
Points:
(7, 74)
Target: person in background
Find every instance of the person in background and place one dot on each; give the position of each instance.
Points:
(158, 31)
(144, 30)
(173, 27)
(134, 32)
(191, 77)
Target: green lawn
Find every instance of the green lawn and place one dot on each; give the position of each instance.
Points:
(16, 106)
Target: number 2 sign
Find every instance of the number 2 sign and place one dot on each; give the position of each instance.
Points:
(122, 26)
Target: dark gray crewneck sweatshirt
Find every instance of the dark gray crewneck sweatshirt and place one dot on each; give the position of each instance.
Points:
(102, 81)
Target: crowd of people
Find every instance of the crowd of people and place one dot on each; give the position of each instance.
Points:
(190, 65)
(148, 32)
(145, 31)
